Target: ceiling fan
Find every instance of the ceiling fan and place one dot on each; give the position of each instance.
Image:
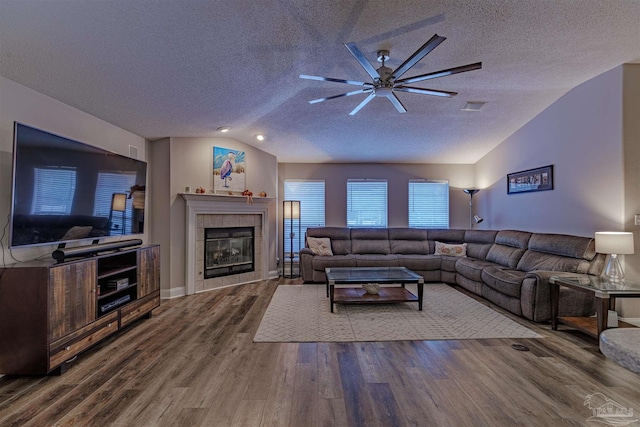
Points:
(387, 81)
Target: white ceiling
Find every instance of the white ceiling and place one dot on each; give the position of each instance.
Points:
(183, 68)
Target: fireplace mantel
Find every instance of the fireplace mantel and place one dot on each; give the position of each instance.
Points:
(215, 204)
(224, 198)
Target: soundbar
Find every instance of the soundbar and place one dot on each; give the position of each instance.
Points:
(61, 254)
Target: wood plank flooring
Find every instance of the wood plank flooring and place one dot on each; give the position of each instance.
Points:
(194, 364)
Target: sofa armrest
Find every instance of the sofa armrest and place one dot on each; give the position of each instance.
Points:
(535, 297)
(306, 264)
(306, 251)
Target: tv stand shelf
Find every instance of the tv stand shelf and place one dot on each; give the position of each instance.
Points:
(117, 271)
(50, 313)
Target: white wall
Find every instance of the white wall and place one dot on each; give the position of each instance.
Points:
(190, 164)
(581, 136)
(24, 105)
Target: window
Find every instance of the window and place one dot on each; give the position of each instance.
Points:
(54, 191)
(311, 196)
(428, 204)
(366, 203)
(104, 192)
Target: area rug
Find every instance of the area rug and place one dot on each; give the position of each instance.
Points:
(300, 313)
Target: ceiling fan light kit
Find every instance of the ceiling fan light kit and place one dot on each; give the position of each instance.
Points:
(385, 81)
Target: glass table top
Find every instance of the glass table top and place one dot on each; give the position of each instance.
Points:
(597, 284)
(345, 275)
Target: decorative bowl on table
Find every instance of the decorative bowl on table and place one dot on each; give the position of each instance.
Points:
(371, 288)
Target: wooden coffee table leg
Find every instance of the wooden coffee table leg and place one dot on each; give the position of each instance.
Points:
(602, 314)
(420, 294)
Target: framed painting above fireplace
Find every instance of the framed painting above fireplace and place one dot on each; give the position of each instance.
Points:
(229, 170)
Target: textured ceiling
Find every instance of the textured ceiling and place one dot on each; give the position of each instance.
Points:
(184, 68)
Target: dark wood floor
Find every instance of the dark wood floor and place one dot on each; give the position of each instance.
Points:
(194, 364)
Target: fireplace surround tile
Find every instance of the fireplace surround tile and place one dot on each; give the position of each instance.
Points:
(214, 211)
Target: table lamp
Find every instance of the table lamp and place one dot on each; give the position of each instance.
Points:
(614, 243)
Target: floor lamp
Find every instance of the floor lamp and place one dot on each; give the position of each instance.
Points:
(119, 204)
(291, 210)
(472, 217)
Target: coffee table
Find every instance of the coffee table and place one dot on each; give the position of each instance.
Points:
(605, 293)
(380, 275)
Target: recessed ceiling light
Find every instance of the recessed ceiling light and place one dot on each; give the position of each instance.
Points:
(473, 106)
(224, 129)
(260, 137)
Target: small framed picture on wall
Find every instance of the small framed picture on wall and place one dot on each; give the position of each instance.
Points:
(539, 179)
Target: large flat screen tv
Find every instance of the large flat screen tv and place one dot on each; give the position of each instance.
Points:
(65, 190)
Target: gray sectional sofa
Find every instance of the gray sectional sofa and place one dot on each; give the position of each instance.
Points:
(509, 268)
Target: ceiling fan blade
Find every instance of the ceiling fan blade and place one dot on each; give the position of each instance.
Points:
(355, 92)
(434, 92)
(417, 56)
(331, 79)
(363, 103)
(357, 53)
(441, 73)
(396, 103)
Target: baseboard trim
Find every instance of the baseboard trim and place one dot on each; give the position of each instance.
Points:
(632, 320)
(172, 293)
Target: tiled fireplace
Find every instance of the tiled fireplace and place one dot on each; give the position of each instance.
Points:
(228, 251)
(226, 267)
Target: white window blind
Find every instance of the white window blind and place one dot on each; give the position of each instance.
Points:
(107, 182)
(428, 204)
(366, 203)
(311, 197)
(54, 191)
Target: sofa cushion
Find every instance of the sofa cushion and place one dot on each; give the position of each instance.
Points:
(376, 260)
(320, 245)
(419, 234)
(458, 250)
(564, 245)
(320, 262)
(419, 262)
(448, 263)
(340, 238)
(408, 241)
(533, 260)
(513, 238)
(508, 248)
(472, 268)
(370, 241)
(479, 242)
(409, 247)
(504, 280)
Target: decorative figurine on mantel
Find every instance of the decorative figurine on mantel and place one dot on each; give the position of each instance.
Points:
(249, 195)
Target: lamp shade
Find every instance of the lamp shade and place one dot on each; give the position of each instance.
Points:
(614, 242)
(119, 202)
(292, 209)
